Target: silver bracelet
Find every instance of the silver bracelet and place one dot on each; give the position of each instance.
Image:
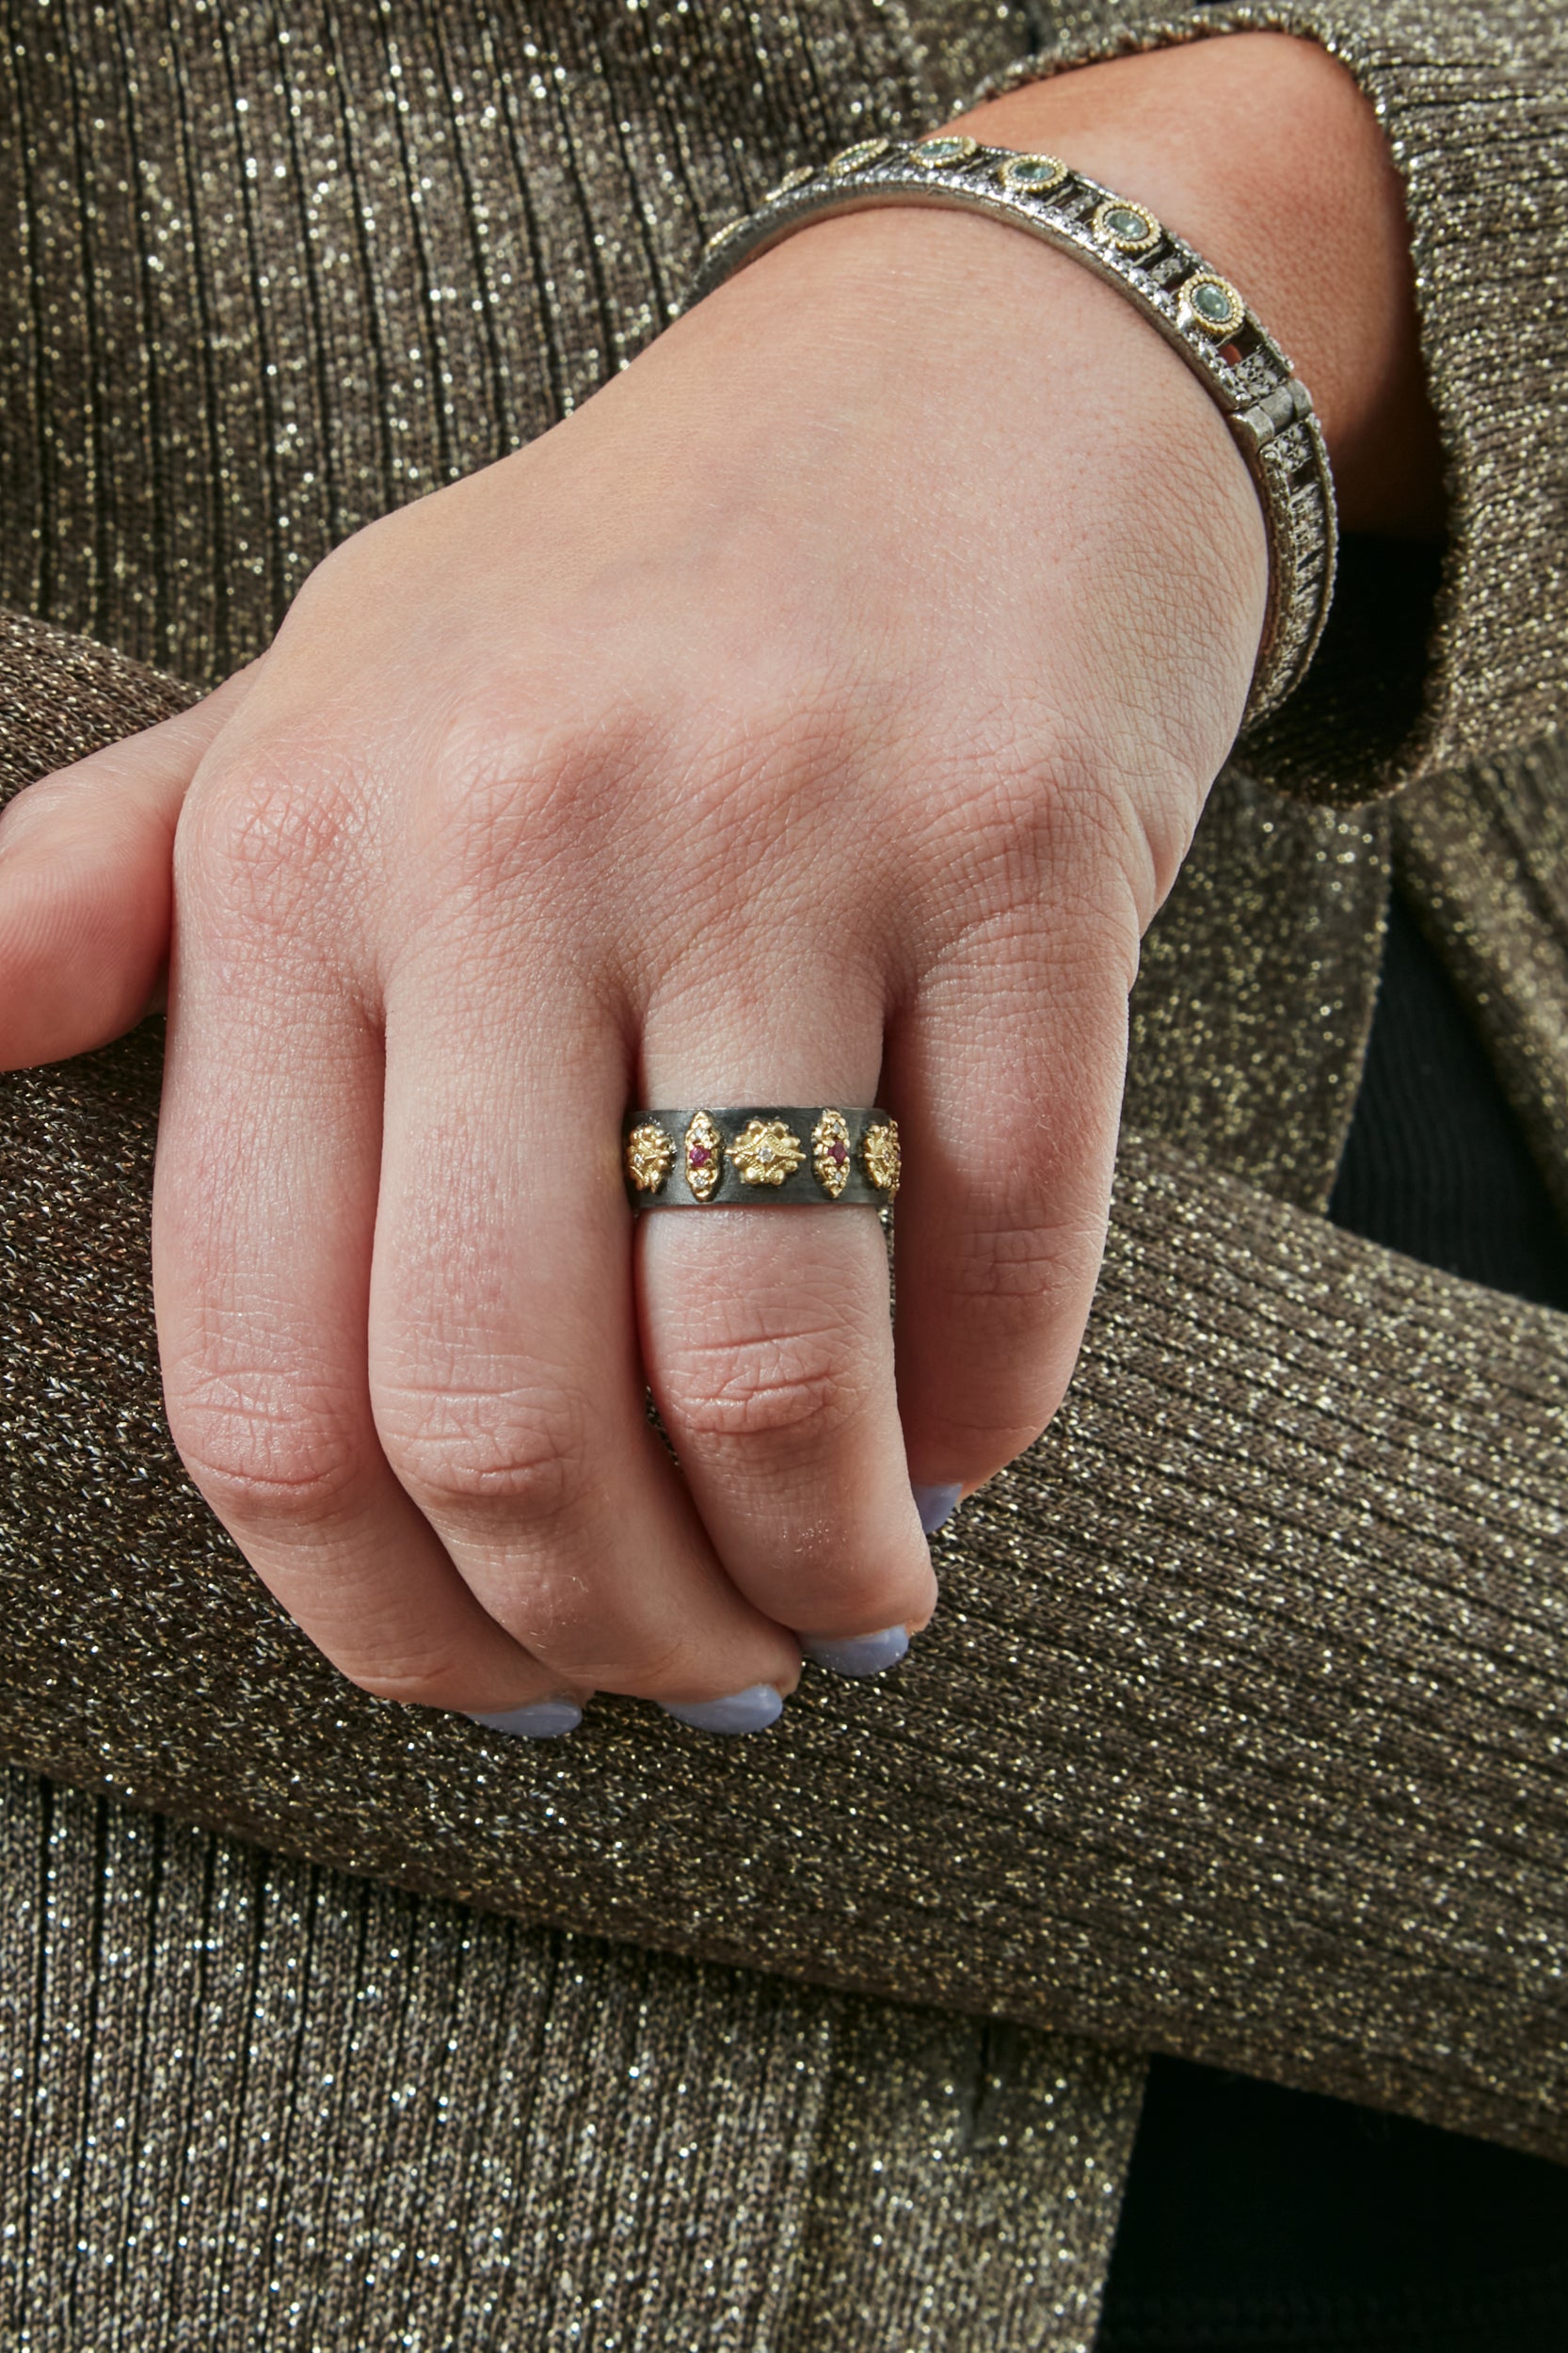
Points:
(1198, 311)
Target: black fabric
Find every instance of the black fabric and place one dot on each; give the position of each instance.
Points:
(1435, 1165)
(1257, 2217)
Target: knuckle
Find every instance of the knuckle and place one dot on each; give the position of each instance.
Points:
(526, 1456)
(266, 838)
(513, 782)
(1022, 1263)
(593, 1632)
(793, 1393)
(267, 1467)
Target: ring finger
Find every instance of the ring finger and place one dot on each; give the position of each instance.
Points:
(768, 1343)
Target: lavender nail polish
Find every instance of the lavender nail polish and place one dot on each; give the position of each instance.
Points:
(546, 1719)
(752, 1711)
(856, 1653)
(936, 1506)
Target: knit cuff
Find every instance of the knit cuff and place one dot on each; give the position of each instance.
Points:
(1430, 658)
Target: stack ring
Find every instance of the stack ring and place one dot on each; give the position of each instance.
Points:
(761, 1157)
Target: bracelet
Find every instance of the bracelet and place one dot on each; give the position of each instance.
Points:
(1199, 312)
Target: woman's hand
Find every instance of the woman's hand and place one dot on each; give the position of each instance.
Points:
(819, 715)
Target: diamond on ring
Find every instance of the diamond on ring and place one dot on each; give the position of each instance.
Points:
(704, 1157)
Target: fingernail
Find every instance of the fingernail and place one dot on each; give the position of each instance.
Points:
(752, 1711)
(546, 1719)
(936, 1506)
(856, 1653)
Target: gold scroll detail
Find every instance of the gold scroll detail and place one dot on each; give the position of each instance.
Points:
(830, 1153)
(765, 1152)
(883, 1159)
(650, 1157)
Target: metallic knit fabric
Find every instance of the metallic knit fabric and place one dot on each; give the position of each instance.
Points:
(1427, 665)
(1237, 1731)
(250, 2102)
(270, 269)
(1235, 1735)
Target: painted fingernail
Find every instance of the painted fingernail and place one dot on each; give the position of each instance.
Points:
(546, 1719)
(752, 1711)
(936, 1506)
(856, 1653)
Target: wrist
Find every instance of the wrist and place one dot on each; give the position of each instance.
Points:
(1261, 150)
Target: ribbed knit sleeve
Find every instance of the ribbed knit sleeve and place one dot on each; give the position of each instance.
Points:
(1241, 1731)
(1428, 663)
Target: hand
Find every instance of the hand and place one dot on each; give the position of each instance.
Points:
(833, 695)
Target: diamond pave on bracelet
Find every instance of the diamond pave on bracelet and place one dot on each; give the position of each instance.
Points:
(1197, 310)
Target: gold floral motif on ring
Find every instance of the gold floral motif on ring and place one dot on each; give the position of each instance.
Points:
(704, 1157)
(884, 1160)
(830, 1152)
(765, 1152)
(650, 1157)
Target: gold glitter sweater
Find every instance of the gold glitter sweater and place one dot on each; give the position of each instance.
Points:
(1240, 1732)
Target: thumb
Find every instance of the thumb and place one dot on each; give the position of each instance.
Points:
(87, 886)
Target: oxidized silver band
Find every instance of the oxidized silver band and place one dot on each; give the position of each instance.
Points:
(764, 1158)
(1197, 310)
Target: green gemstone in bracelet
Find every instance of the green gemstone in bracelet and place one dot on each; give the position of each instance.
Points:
(1215, 305)
(941, 154)
(1127, 227)
(1031, 175)
(855, 158)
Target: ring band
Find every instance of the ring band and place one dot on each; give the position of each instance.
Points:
(762, 1156)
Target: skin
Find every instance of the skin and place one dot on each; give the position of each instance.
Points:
(820, 712)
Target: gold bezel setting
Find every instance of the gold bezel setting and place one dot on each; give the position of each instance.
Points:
(1031, 175)
(944, 152)
(852, 159)
(1236, 309)
(1125, 239)
(704, 1157)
